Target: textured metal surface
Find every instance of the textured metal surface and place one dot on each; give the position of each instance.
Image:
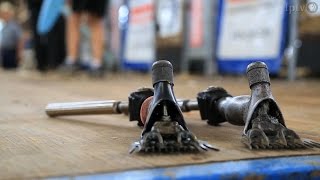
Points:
(257, 73)
(264, 124)
(162, 70)
(104, 107)
(207, 102)
(165, 129)
(169, 137)
(136, 100)
(88, 107)
(310, 143)
(267, 132)
(300, 167)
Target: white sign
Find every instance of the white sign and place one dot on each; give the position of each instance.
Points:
(140, 40)
(250, 29)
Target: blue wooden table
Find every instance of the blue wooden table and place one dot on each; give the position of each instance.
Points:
(298, 167)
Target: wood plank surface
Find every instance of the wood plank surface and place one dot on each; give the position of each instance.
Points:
(33, 145)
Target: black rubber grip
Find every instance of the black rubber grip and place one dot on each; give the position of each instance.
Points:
(162, 70)
(257, 72)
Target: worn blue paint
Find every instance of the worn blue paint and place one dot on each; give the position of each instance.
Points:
(300, 167)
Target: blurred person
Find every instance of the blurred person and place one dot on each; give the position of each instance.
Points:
(96, 10)
(11, 34)
(50, 48)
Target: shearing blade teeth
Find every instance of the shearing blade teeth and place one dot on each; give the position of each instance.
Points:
(132, 150)
(182, 149)
(248, 145)
(148, 149)
(307, 144)
(195, 147)
(299, 145)
(281, 146)
(175, 141)
(187, 149)
(275, 146)
(211, 147)
(315, 143)
(262, 146)
(166, 150)
(171, 149)
(311, 143)
(255, 146)
(245, 140)
(135, 147)
(203, 146)
(292, 146)
(207, 145)
(282, 141)
(268, 147)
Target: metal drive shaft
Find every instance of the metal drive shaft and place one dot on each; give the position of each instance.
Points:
(86, 108)
(102, 107)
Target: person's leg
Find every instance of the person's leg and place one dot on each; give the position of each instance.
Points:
(96, 10)
(97, 39)
(73, 24)
(72, 36)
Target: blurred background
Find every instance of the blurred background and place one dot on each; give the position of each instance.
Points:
(201, 37)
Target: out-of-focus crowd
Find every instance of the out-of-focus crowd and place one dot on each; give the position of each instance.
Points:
(59, 49)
